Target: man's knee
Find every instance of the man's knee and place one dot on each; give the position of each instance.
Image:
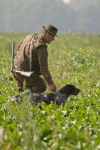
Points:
(19, 82)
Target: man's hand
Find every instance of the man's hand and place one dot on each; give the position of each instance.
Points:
(52, 87)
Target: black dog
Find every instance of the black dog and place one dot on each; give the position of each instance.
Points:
(58, 98)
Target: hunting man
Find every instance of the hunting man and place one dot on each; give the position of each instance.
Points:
(32, 55)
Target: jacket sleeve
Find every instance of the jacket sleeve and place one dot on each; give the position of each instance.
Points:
(42, 55)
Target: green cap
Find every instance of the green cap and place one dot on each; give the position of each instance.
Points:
(51, 29)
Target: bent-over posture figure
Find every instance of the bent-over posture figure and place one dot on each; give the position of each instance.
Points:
(32, 55)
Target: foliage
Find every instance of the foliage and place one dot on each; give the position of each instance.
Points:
(73, 58)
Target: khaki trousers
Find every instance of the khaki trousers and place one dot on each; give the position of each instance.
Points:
(35, 81)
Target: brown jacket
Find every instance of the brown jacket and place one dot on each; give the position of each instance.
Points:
(39, 56)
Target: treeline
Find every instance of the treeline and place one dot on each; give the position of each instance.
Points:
(31, 15)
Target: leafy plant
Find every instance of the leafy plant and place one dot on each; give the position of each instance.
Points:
(76, 126)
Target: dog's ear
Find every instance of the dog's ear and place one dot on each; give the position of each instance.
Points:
(68, 89)
(64, 89)
(71, 87)
(73, 90)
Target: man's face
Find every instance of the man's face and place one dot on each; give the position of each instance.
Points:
(49, 37)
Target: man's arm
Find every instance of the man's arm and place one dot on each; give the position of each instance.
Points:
(42, 55)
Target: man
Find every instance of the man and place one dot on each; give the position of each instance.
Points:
(34, 48)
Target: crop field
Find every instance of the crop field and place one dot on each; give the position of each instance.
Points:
(73, 59)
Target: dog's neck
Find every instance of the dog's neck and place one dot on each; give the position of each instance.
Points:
(67, 96)
(61, 98)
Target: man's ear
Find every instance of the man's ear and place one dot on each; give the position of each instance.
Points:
(48, 34)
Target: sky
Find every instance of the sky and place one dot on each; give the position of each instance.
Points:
(66, 1)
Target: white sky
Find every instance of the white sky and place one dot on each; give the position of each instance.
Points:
(66, 1)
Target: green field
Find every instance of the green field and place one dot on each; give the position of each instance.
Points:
(74, 59)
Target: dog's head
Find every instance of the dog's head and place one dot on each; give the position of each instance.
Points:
(69, 89)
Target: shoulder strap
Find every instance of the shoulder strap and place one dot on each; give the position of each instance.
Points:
(31, 56)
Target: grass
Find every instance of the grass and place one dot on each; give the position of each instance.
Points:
(73, 58)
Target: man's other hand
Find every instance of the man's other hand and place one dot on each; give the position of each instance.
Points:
(52, 87)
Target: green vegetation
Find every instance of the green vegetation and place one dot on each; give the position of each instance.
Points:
(75, 59)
